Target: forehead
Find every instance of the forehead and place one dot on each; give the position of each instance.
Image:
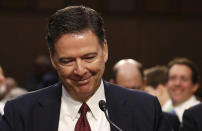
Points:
(131, 75)
(128, 70)
(78, 35)
(76, 41)
(180, 69)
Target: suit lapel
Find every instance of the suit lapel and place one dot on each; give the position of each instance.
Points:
(118, 110)
(48, 110)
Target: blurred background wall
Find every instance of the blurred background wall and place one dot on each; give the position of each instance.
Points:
(152, 32)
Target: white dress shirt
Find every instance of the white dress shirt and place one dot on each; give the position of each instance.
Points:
(70, 108)
(2, 108)
(168, 106)
(185, 105)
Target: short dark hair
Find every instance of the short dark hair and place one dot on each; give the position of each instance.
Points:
(156, 75)
(190, 64)
(74, 19)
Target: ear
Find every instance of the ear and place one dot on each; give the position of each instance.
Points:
(105, 49)
(52, 59)
(160, 89)
(144, 83)
(195, 87)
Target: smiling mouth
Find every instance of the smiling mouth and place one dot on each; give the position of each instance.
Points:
(81, 82)
(177, 92)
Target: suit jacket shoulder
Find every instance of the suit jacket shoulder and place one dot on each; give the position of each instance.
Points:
(134, 109)
(23, 113)
(192, 119)
(173, 120)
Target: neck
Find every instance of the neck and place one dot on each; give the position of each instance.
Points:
(164, 98)
(175, 103)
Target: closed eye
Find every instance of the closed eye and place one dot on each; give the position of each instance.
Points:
(66, 61)
(90, 57)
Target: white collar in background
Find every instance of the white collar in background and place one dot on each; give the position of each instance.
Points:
(168, 106)
(188, 103)
(179, 109)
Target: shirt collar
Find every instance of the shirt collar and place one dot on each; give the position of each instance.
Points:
(179, 109)
(93, 102)
(190, 102)
(72, 106)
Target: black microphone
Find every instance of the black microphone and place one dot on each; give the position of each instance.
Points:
(103, 107)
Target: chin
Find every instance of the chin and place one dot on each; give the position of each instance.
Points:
(178, 100)
(84, 89)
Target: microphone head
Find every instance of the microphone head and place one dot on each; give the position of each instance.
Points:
(103, 105)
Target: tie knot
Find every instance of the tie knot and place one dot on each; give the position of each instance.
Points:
(84, 108)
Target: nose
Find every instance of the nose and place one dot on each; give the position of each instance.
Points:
(79, 68)
(177, 82)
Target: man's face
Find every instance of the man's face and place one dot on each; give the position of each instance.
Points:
(80, 62)
(180, 85)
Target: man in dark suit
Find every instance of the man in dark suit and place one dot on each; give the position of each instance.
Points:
(192, 119)
(78, 51)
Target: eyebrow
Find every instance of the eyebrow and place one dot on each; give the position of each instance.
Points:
(69, 58)
(93, 53)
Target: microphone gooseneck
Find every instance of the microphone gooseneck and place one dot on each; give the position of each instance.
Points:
(103, 107)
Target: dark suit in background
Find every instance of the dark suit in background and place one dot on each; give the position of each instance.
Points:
(39, 111)
(192, 119)
(173, 120)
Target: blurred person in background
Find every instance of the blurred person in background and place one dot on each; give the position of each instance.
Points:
(13, 89)
(2, 90)
(2, 84)
(128, 73)
(183, 82)
(43, 74)
(156, 84)
(8, 90)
